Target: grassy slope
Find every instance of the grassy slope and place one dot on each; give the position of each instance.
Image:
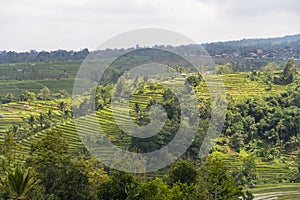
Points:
(16, 87)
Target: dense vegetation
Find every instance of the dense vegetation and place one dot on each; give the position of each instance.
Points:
(42, 156)
(43, 56)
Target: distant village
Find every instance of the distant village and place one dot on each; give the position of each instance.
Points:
(282, 54)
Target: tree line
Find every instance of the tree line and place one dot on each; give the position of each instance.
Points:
(42, 56)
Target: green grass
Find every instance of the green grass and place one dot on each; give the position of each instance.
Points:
(16, 87)
(37, 71)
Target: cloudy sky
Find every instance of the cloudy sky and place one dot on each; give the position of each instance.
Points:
(76, 24)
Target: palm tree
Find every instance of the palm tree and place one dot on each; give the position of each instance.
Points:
(49, 113)
(14, 128)
(41, 119)
(31, 120)
(62, 105)
(18, 183)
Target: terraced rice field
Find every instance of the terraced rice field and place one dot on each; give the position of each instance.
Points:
(237, 85)
(277, 191)
(17, 113)
(16, 87)
(268, 172)
(240, 87)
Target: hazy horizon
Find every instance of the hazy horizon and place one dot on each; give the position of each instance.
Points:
(79, 49)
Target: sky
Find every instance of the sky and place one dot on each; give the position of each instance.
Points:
(78, 24)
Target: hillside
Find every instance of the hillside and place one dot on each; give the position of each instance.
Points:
(257, 150)
(270, 48)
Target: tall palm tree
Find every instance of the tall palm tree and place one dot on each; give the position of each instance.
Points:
(62, 105)
(41, 119)
(31, 120)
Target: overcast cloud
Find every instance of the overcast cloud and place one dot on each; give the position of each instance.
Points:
(75, 24)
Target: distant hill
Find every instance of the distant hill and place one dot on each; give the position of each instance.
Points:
(256, 41)
(279, 49)
(270, 48)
